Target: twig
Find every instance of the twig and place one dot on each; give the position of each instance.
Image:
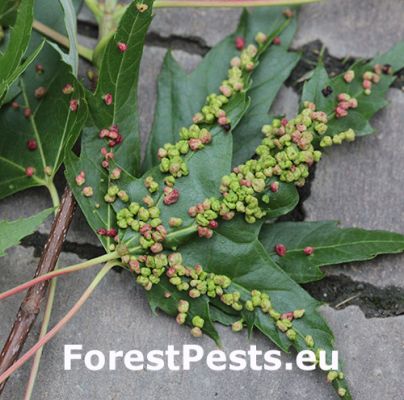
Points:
(347, 300)
(227, 3)
(72, 312)
(30, 306)
(58, 272)
(83, 51)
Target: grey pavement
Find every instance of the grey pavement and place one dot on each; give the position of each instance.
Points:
(360, 185)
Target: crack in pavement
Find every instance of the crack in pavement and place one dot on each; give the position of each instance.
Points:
(373, 301)
(85, 251)
(190, 44)
(196, 45)
(342, 291)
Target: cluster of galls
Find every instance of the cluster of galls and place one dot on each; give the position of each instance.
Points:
(171, 155)
(146, 221)
(68, 89)
(114, 138)
(370, 78)
(195, 280)
(213, 111)
(207, 213)
(195, 138)
(197, 321)
(348, 136)
(345, 103)
(148, 268)
(286, 152)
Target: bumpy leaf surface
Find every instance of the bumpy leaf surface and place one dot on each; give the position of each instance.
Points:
(118, 77)
(357, 119)
(53, 126)
(181, 95)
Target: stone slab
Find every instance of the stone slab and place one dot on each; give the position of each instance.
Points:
(117, 317)
(359, 28)
(360, 184)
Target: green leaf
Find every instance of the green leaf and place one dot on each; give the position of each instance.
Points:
(235, 251)
(206, 169)
(11, 232)
(11, 88)
(274, 68)
(8, 12)
(16, 47)
(53, 126)
(72, 57)
(332, 245)
(118, 77)
(181, 95)
(357, 119)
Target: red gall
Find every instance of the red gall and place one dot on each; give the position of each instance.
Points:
(80, 178)
(239, 42)
(274, 186)
(40, 92)
(308, 250)
(172, 197)
(107, 99)
(32, 144)
(68, 89)
(29, 171)
(39, 69)
(27, 112)
(122, 47)
(73, 105)
(280, 249)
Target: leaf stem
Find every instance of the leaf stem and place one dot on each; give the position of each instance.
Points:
(83, 51)
(59, 272)
(44, 328)
(54, 195)
(227, 3)
(48, 308)
(73, 311)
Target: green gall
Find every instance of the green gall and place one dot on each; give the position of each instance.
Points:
(332, 375)
(183, 306)
(298, 313)
(181, 318)
(326, 141)
(237, 326)
(281, 326)
(309, 341)
(291, 334)
(175, 222)
(196, 332)
(198, 321)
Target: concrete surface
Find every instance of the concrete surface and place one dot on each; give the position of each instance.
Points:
(360, 185)
(117, 317)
